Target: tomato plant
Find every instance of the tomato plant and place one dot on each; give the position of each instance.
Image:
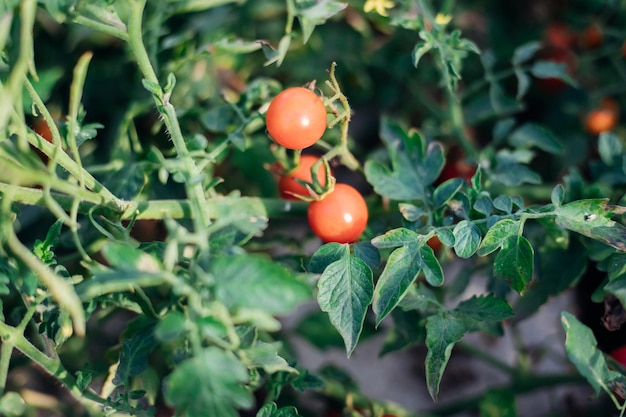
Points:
(296, 118)
(340, 216)
(150, 267)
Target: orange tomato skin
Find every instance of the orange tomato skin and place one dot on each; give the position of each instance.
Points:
(287, 184)
(592, 37)
(435, 244)
(340, 216)
(600, 120)
(296, 118)
(559, 35)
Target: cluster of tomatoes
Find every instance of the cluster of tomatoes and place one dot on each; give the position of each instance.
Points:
(297, 119)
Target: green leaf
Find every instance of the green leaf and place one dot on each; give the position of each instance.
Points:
(395, 238)
(442, 332)
(134, 354)
(268, 285)
(124, 256)
(84, 377)
(515, 262)
(346, 288)
(209, 384)
(234, 46)
(367, 253)
(171, 327)
(525, 52)
(483, 205)
(403, 266)
(503, 203)
(271, 410)
(317, 15)
(591, 218)
(466, 239)
(610, 148)
(43, 250)
(484, 308)
(326, 255)
(497, 235)
(582, 350)
(264, 355)
(12, 405)
(413, 165)
(277, 55)
(431, 266)
(523, 83)
(558, 195)
(531, 134)
(552, 69)
(108, 282)
(247, 215)
(558, 270)
(446, 190)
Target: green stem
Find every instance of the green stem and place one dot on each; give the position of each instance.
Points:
(487, 358)
(5, 360)
(521, 385)
(15, 80)
(455, 110)
(100, 27)
(193, 185)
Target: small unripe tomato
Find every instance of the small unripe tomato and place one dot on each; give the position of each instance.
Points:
(600, 120)
(287, 184)
(341, 216)
(296, 118)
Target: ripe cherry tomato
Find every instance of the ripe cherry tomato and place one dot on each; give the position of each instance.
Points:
(287, 183)
(340, 216)
(600, 120)
(296, 118)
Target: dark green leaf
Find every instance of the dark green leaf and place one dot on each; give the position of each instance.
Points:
(582, 350)
(442, 332)
(483, 205)
(531, 134)
(326, 255)
(503, 203)
(402, 268)
(346, 288)
(218, 118)
(271, 410)
(269, 286)
(134, 354)
(523, 83)
(412, 213)
(552, 69)
(466, 238)
(107, 282)
(515, 262)
(367, 253)
(209, 384)
(445, 191)
(497, 235)
(484, 308)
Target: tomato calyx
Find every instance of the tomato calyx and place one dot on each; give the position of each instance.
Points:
(303, 177)
(317, 189)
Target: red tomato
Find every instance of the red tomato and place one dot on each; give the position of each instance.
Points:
(600, 120)
(340, 216)
(42, 129)
(296, 118)
(287, 183)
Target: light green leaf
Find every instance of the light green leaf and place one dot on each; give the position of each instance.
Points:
(466, 238)
(497, 235)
